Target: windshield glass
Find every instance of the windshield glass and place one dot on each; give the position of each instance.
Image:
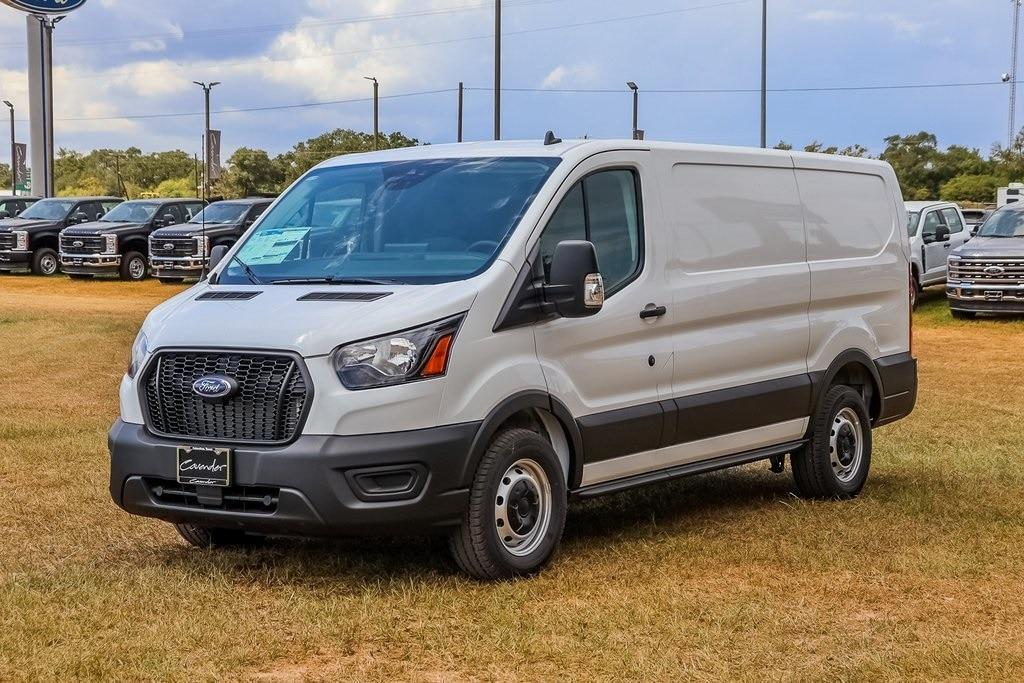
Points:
(48, 210)
(220, 213)
(424, 221)
(1004, 223)
(131, 212)
(912, 219)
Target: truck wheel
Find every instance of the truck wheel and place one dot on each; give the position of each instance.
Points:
(962, 315)
(915, 291)
(516, 511)
(44, 262)
(205, 537)
(835, 463)
(133, 266)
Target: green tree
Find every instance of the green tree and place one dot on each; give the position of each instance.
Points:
(177, 187)
(972, 188)
(5, 178)
(249, 172)
(915, 159)
(308, 154)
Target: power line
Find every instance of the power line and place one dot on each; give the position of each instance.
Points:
(434, 43)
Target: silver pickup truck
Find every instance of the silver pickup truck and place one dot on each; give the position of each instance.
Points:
(986, 275)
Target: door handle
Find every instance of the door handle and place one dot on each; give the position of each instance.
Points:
(652, 311)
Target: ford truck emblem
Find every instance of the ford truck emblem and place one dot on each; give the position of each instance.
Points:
(78, 244)
(994, 270)
(215, 387)
(169, 246)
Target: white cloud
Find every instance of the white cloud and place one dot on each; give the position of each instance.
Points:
(898, 23)
(578, 74)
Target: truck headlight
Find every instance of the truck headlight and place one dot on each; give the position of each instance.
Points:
(202, 245)
(20, 240)
(140, 349)
(110, 244)
(420, 353)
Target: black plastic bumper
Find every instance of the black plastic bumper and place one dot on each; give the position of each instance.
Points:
(15, 261)
(312, 481)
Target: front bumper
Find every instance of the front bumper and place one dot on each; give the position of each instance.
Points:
(177, 267)
(15, 261)
(89, 264)
(314, 482)
(985, 298)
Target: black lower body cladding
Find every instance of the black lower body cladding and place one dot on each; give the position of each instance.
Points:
(309, 484)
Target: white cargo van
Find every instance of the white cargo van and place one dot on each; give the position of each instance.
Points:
(460, 339)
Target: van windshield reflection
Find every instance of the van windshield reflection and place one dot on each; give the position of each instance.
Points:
(423, 221)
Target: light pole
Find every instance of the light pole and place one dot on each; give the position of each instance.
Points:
(376, 109)
(14, 154)
(207, 156)
(458, 128)
(1012, 76)
(764, 74)
(497, 69)
(636, 108)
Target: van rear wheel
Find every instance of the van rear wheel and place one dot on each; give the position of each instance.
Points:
(516, 513)
(835, 462)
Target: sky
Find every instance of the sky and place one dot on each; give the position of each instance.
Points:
(565, 65)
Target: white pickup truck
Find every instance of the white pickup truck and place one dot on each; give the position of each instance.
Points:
(935, 229)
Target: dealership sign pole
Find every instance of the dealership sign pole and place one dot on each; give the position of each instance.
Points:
(43, 16)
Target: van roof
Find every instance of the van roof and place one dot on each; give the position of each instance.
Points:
(565, 148)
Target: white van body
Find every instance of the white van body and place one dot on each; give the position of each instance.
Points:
(741, 315)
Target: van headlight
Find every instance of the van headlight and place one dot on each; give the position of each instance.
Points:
(420, 353)
(140, 349)
(20, 240)
(110, 244)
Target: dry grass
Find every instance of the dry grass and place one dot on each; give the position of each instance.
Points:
(726, 576)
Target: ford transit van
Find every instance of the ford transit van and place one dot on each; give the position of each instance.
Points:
(460, 339)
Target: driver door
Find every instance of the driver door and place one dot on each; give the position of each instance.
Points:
(935, 252)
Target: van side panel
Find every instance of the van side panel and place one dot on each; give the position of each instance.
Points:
(858, 263)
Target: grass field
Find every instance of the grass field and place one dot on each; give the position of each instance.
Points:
(724, 576)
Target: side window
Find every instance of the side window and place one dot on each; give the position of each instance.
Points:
(257, 211)
(953, 220)
(192, 210)
(932, 220)
(602, 208)
(106, 207)
(92, 210)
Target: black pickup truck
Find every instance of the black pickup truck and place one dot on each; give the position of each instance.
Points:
(29, 242)
(116, 244)
(182, 251)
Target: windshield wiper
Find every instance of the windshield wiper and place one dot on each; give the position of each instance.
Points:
(331, 280)
(247, 269)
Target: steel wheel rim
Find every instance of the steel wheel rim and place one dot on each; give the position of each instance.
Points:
(522, 507)
(48, 264)
(846, 445)
(137, 268)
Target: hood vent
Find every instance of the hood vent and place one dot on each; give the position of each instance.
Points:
(227, 296)
(344, 296)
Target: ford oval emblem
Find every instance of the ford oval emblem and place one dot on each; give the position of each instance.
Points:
(994, 270)
(169, 246)
(45, 6)
(78, 244)
(215, 387)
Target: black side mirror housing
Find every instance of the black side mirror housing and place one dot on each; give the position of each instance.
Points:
(942, 234)
(576, 288)
(168, 219)
(79, 218)
(217, 255)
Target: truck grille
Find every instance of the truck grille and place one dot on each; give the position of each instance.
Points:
(179, 247)
(74, 244)
(268, 407)
(7, 241)
(989, 271)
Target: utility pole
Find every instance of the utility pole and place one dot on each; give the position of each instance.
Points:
(636, 109)
(497, 69)
(1014, 51)
(764, 74)
(208, 169)
(459, 126)
(376, 109)
(14, 154)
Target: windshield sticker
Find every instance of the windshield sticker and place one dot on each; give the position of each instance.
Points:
(272, 246)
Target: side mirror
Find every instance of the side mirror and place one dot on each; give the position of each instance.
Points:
(168, 219)
(942, 234)
(80, 218)
(217, 255)
(576, 289)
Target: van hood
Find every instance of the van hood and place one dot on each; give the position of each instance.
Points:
(989, 247)
(275, 319)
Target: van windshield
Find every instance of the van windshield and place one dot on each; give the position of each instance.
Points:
(419, 222)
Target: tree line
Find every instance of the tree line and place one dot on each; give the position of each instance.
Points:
(925, 170)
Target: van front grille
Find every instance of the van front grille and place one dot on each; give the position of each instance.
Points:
(268, 406)
(989, 271)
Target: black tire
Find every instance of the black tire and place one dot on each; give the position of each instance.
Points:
(80, 276)
(45, 262)
(130, 271)
(915, 291)
(962, 315)
(205, 537)
(820, 469)
(476, 545)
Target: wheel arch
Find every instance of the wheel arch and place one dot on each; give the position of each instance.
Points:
(856, 369)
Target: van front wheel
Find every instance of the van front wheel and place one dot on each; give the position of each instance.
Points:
(516, 512)
(835, 463)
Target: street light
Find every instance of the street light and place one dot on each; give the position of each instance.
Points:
(497, 69)
(376, 108)
(14, 154)
(637, 133)
(764, 74)
(207, 87)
